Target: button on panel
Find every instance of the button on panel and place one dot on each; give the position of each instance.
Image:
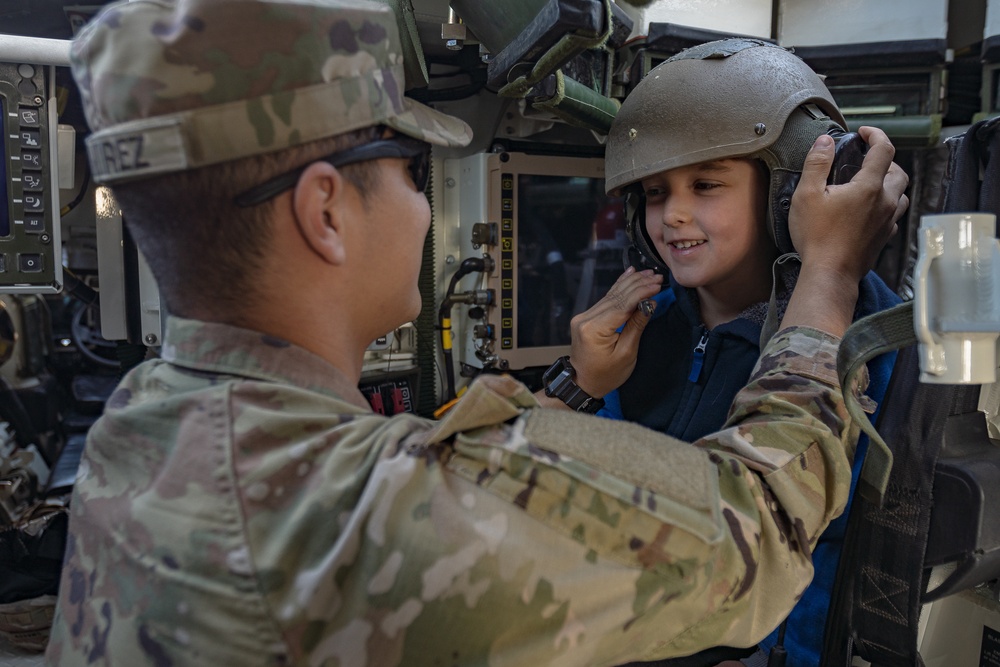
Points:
(29, 117)
(32, 182)
(31, 160)
(34, 224)
(33, 203)
(30, 263)
(31, 138)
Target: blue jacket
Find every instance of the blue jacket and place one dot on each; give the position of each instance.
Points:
(684, 382)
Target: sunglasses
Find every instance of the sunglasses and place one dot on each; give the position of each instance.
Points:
(417, 152)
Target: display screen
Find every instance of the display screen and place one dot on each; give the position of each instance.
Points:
(570, 244)
(4, 203)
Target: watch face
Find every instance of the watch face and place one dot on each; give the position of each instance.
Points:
(552, 372)
(561, 386)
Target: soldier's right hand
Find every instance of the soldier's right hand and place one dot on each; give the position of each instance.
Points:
(602, 356)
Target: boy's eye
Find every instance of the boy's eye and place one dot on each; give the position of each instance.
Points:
(704, 185)
(653, 191)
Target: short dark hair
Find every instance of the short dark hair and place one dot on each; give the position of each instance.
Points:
(200, 246)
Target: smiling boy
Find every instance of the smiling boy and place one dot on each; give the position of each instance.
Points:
(708, 149)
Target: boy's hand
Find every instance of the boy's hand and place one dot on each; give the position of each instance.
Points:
(842, 228)
(603, 357)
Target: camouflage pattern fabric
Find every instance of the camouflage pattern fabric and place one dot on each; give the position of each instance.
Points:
(174, 85)
(239, 504)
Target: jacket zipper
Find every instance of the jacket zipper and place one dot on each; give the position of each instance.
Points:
(699, 356)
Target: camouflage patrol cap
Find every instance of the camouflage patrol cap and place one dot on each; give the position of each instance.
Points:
(170, 85)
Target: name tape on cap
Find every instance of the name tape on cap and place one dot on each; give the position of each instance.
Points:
(136, 152)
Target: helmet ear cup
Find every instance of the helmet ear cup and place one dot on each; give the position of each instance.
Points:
(784, 159)
(641, 252)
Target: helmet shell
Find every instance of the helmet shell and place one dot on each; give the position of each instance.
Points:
(722, 99)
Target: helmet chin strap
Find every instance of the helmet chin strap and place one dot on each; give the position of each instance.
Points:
(641, 253)
(783, 184)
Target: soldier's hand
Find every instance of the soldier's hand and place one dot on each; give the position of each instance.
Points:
(602, 356)
(840, 229)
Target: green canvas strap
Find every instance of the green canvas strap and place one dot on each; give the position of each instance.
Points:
(864, 340)
(568, 46)
(578, 105)
(414, 65)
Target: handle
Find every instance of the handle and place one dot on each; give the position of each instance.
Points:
(931, 246)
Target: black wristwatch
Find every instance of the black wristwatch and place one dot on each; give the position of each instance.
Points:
(560, 382)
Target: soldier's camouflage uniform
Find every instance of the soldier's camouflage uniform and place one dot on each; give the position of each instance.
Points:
(239, 503)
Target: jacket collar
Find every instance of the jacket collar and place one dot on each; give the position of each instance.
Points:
(229, 350)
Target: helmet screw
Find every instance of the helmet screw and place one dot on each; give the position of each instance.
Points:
(759, 129)
(785, 204)
(632, 133)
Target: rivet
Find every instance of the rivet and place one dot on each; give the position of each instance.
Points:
(632, 133)
(759, 129)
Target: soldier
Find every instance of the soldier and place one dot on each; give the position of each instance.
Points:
(239, 503)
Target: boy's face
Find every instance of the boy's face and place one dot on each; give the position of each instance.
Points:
(707, 223)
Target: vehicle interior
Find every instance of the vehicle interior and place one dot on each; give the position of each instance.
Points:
(523, 237)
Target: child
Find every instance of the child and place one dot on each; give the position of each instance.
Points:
(708, 148)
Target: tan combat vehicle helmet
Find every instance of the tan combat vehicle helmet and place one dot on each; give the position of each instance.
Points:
(730, 98)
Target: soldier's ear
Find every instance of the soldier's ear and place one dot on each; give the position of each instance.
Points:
(321, 204)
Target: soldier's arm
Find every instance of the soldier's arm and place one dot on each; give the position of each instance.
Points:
(786, 479)
(721, 560)
(566, 537)
(511, 534)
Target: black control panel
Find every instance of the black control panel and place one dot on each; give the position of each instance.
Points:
(29, 218)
